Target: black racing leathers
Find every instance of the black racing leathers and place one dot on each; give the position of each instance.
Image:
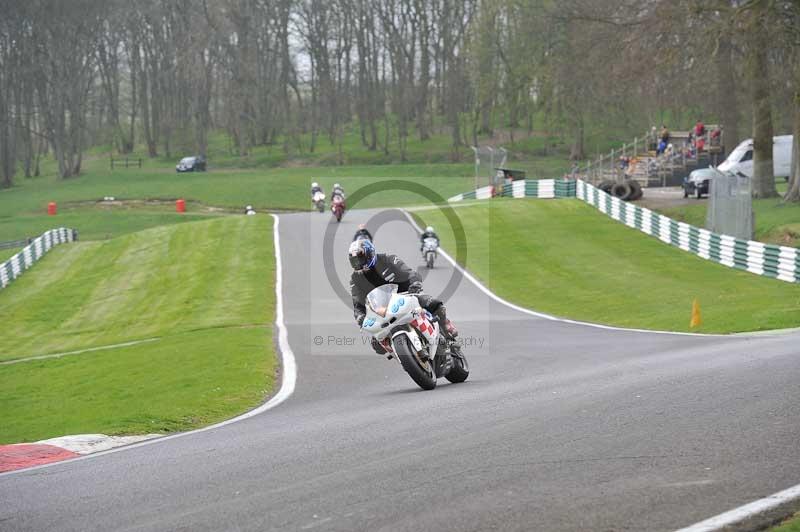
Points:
(391, 269)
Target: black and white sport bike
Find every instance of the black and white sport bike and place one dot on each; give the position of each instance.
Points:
(409, 333)
(430, 248)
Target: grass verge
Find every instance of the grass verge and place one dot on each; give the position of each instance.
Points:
(276, 188)
(790, 525)
(564, 258)
(776, 222)
(204, 289)
(6, 254)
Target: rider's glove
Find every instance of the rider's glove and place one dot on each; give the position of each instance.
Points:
(415, 288)
(360, 319)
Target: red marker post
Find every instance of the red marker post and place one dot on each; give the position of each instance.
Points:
(51, 208)
(180, 205)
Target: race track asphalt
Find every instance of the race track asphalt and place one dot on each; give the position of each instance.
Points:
(560, 427)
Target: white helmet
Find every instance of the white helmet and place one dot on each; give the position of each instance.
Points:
(429, 229)
(314, 184)
(337, 185)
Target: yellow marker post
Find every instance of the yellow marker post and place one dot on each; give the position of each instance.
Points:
(696, 319)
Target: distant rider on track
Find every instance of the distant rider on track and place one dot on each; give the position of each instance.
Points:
(429, 233)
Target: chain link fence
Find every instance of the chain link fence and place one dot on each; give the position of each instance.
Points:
(487, 160)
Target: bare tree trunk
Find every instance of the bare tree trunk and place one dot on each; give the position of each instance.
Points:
(763, 170)
(793, 192)
(727, 106)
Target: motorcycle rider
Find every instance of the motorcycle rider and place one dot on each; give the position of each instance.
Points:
(315, 188)
(372, 269)
(362, 233)
(337, 190)
(429, 233)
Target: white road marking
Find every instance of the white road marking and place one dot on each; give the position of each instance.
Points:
(78, 352)
(743, 512)
(499, 299)
(709, 525)
(288, 373)
(485, 290)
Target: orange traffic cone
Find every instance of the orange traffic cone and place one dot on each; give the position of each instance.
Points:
(696, 319)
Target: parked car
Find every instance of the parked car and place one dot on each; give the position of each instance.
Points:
(696, 184)
(192, 164)
(741, 158)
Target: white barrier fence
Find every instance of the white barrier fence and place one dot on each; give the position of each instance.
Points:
(16, 265)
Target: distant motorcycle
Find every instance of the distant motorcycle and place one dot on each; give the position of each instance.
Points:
(337, 207)
(408, 333)
(429, 250)
(319, 201)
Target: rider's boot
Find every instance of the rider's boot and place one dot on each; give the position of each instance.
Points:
(446, 326)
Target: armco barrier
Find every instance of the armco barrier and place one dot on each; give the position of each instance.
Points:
(778, 262)
(16, 265)
(524, 188)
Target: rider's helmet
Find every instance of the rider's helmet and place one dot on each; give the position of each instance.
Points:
(337, 185)
(362, 255)
(314, 184)
(362, 226)
(429, 229)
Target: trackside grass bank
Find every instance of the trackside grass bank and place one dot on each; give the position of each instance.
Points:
(201, 292)
(265, 189)
(791, 525)
(776, 222)
(565, 258)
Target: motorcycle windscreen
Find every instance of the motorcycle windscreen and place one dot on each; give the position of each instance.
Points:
(378, 299)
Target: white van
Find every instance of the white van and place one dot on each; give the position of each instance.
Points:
(741, 158)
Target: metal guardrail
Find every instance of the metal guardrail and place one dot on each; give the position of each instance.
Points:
(35, 250)
(15, 243)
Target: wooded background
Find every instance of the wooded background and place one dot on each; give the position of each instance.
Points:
(293, 73)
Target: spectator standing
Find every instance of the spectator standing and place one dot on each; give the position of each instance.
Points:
(699, 129)
(700, 135)
(716, 136)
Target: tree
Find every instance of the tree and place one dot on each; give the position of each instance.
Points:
(763, 184)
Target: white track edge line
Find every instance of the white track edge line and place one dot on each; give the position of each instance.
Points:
(550, 317)
(288, 373)
(743, 512)
(709, 525)
(77, 352)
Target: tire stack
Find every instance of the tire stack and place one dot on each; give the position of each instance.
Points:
(625, 190)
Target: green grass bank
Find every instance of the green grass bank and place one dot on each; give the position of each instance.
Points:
(201, 293)
(564, 258)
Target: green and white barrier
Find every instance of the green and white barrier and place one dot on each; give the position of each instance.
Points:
(779, 262)
(524, 188)
(16, 265)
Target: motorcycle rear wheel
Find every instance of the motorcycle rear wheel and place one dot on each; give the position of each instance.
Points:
(430, 261)
(421, 372)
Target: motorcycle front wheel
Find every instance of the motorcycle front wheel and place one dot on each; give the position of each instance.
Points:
(420, 371)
